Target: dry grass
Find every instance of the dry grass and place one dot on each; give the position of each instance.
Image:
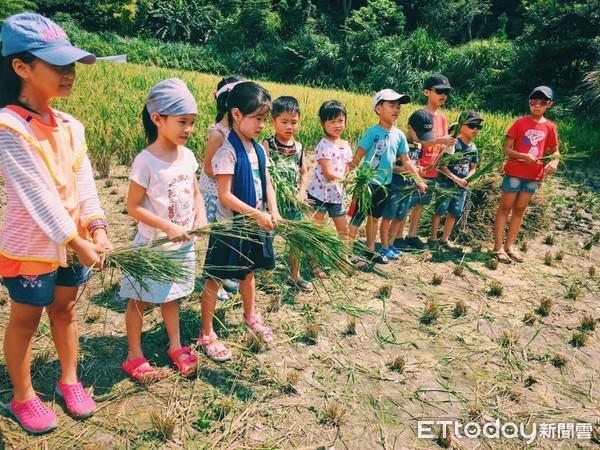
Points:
(385, 291)
(431, 313)
(545, 307)
(437, 279)
(458, 270)
(529, 319)
(460, 309)
(495, 289)
(398, 364)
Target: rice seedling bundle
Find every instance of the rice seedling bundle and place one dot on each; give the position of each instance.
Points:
(360, 190)
(285, 183)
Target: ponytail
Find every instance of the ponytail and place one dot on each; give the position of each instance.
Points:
(150, 128)
(222, 98)
(11, 83)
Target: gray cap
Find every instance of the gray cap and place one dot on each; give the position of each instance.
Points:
(171, 97)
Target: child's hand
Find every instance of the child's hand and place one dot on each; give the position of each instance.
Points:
(551, 167)
(199, 222)
(446, 140)
(461, 182)
(176, 233)
(265, 221)
(276, 217)
(100, 238)
(88, 253)
(421, 186)
(529, 159)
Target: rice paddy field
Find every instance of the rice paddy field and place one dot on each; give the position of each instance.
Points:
(438, 335)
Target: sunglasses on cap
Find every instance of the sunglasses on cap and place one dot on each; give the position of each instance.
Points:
(441, 91)
(474, 126)
(538, 102)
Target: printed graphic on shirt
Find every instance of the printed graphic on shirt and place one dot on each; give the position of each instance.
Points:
(533, 138)
(381, 146)
(181, 200)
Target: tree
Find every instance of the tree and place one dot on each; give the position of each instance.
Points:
(455, 20)
(10, 7)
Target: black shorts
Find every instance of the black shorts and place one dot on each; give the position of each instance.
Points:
(379, 197)
(257, 255)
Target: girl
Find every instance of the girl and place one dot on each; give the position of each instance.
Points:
(333, 156)
(527, 140)
(164, 197)
(217, 134)
(52, 209)
(244, 188)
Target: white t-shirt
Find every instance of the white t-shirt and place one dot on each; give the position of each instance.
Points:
(169, 188)
(224, 164)
(340, 155)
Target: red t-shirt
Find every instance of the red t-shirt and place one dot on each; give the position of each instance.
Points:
(533, 138)
(430, 155)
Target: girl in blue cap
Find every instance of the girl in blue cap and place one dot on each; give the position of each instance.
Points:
(165, 199)
(52, 209)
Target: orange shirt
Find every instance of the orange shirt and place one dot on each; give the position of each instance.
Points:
(57, 144)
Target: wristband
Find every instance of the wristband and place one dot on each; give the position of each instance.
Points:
(98, 223)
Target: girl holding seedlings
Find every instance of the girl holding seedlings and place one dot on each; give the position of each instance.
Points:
(333, 156)
(52, 211)
(165, 200)
(217, 134)
(527, 142)
(245, 192)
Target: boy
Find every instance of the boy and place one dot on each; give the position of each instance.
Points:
(436, 88)
(288, 158)
(527, 141)
(456, 173)
(381, 146)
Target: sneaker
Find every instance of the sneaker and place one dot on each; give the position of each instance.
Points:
(222, 294)
(78, 402)
(401, 244)
(376, 257)
(396, 250)
(231, 286)
(389, 254)
(415, 242)
(33, 415)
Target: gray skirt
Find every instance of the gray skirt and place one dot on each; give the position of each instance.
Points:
(162, 292)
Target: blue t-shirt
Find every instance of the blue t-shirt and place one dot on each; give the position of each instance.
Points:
(414, 153)
(383, 149)
(461, 166)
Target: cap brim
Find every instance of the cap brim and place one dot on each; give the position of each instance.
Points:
(441, 86)
(63, 55)
(428, 136)
(540, 93)
(472, 121)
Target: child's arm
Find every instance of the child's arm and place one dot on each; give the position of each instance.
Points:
(509, 150)
(460, 181)
(328, 172)
(200, 210)
(135, 196)
(215, 141)
(224, 182)
(552, 166)
(303, 182)
(272, 200)
(410, 168)
(265, 145)
(472, 171)
(360, 154)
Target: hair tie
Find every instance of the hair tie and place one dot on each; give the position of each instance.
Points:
(228, 87)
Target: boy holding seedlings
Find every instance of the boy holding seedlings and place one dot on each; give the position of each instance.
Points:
(436, 88)
(381, 146)
(455, 174)
(527, 141)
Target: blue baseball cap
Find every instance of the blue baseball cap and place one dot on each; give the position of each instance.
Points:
(545, 91)
(28, 32)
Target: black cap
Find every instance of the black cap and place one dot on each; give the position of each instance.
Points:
(438, 81)
(472, 117)
(422, 124)
(542, 91)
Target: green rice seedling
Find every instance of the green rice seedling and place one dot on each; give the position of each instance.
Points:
(558, 361)
(312, 332)
(333, 414)
(524, 246)
(285, 184)
(163, 424)
(592, 271)
(398, 364)
(492, 263)
(508, 339)
(530, 381)
(437, 279)
(574, 291)
(460, 309)
(529, 319)
(579, 339)
(545, 307)
(385, 291)
(495, 289)
(93, 316)
(431, 313)
(358, 188)
(548, 259)
(549, 239)
(255, 342)
(351, 326)
(587, 323)
(559, 255)
(458, 270)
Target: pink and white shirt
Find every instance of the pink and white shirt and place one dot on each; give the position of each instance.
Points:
(340, 155)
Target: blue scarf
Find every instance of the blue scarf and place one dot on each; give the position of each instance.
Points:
(243, 189)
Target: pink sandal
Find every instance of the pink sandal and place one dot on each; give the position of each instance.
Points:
(33, 415)
(187, 366)
(78, 402)
(252, 321)
(213, 348)
(139, 372)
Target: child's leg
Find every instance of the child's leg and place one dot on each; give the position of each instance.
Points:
(415, 217)
(371, 231)
(63, 326)
(134, 320)
(507, 200)
(318, 218)
(341, 225)
(396, 230)
(448, 225)
(208, 305)
(435, 224)
(295, 266)
(516, 218)
(22, 323)
(170, 315)
(248, 292)
(384, 232)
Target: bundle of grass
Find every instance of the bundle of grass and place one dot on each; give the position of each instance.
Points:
(351, 326)
(587, 323)
(333, 414)
(508, 339)
(574, 291)
(431, 313)
(559, 255)
(163, 424)
(495, 289)
(492, 263)
(548, 259)
(312, 332)
(530, 380)
(291, 382)
(458, 270)
(359, 190)
(549, 239)
(284, 181)
(558, 361)
(398, 364)
(529, 319)
(384, 291)
(255, 342)
(524, 246)
(579, 339)
(592, 271)
(437, 279)
(460, 309)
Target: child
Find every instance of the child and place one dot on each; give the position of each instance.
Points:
(436, 89)
(288, 155)
(381, 146)
(217, 134)
(244, 188)
(52, 210)
(325, 191)
(527, 140)
(456, 174)
(163, 197)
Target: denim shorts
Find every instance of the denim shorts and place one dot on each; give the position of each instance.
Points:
(333, 209)
(419, 198)
(38, 290)
(397, 204)
(516, 184)
(453, 204)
